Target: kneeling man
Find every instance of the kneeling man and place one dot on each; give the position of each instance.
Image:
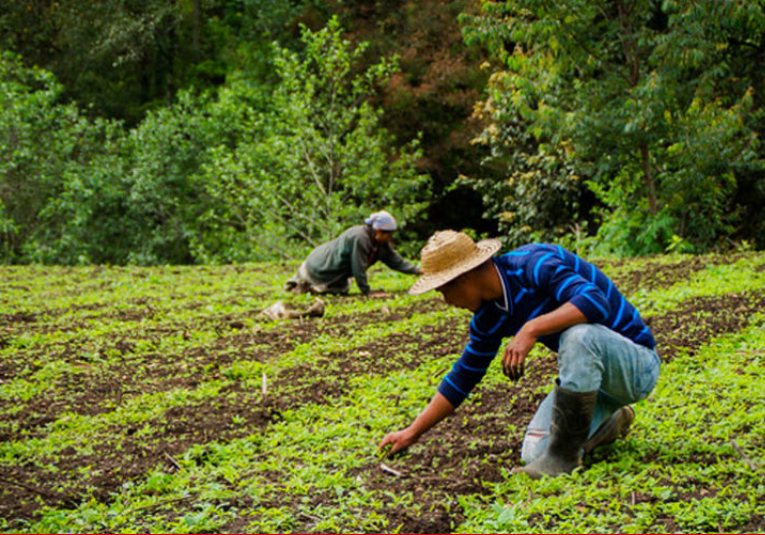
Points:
(540, 293)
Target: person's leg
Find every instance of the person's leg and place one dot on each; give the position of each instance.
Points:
(615, 427)
(339, 287)
(300, 282)
(538, 432)
(593, 358)
(570, 421)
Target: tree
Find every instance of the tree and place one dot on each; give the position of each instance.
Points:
(42, 140)
(439, 80)
(626, 94)
(318, 160)
(122, 58)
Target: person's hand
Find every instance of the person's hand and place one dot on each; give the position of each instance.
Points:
(513, 361)
(398, 440)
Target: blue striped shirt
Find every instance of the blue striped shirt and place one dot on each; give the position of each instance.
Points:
(537, 279)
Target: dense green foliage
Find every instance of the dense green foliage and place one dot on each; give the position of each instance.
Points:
(148, 131)
(316, 162)
(44, 144)
(124, 57)
(653, 106)
(251, 172)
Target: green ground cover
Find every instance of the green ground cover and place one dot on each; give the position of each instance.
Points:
(133, 400)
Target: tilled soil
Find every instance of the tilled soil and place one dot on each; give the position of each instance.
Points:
(459, 457)
(651, 275)
(697, 321)
(126, 457)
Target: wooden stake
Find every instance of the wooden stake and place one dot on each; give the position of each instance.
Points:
(744, 455)
(172, 461)
(265, 384)
(391, 471)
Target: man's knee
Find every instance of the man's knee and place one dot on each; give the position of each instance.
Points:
(578, 338)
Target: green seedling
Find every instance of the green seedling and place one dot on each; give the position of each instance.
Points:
(137, 394)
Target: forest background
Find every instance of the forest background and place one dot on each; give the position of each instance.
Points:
(215, 131)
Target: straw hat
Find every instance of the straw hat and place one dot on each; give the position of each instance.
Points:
(449, 254)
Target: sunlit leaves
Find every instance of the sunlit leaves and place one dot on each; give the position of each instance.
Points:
(317, 160)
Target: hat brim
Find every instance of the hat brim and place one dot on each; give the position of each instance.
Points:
(485, 250)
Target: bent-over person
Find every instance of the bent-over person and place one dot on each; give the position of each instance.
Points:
(330, 266)
(540, 293)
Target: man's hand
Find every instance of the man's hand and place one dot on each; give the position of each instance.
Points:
(556, 321)
(516, 352)
(398, 440)
(438, 409)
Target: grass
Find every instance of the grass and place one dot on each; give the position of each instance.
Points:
(679, 471)
(131, 400)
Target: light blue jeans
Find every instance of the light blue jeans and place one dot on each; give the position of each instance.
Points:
(595, 358)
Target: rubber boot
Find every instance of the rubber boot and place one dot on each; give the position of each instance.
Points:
(570, 426)
(617, 426)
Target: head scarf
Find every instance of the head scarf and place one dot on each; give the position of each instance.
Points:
(381, 220)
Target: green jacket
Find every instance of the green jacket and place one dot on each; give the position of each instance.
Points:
(350, 255)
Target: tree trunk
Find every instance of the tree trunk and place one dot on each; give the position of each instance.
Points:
(196, 17)
(648, 180)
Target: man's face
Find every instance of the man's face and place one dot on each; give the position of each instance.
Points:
(462, 292)
(383, 236)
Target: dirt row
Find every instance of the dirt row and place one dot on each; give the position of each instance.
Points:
(652, 274)
(693, 323)
(102, 386)
(127, 457)
(439, 475)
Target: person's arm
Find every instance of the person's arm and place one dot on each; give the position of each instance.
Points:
(394, 261)
(362, 248)
(560, 319)
(555, 274)
(438, 409)
(455, 387)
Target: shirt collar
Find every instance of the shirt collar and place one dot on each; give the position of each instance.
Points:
(504, 302)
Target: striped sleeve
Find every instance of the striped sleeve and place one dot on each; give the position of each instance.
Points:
(568, 279)
(470, 368)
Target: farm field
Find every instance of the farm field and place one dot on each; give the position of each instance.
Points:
(158, 400)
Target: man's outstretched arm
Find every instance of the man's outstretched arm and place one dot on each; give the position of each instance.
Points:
(438, 409)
